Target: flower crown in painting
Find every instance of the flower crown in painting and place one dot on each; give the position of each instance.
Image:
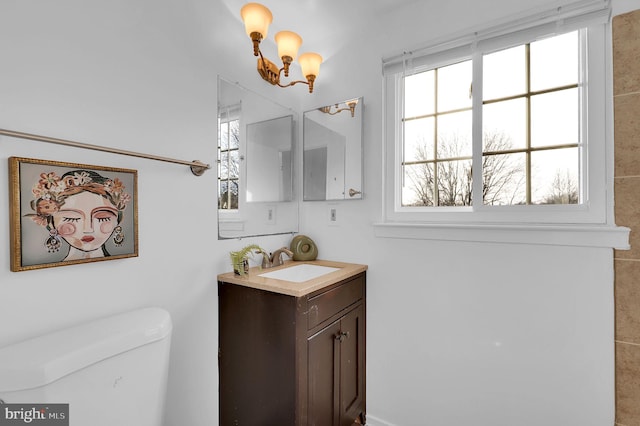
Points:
(51, 191)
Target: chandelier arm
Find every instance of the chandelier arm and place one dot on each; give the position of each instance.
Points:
(271, 73)
(293, 83)
(327, 110)
(264, 65)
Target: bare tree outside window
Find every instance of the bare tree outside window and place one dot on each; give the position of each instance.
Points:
(448, 181)
(563, 190)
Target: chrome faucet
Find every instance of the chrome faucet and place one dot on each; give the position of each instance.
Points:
(276, 257)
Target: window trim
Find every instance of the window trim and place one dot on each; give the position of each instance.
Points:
(602, 236)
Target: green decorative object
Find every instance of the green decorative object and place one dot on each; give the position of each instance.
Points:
(240, 258)
(303, 248)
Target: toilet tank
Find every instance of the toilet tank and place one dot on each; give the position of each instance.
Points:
(111, 371)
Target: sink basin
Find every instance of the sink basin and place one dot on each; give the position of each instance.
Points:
(299, 273)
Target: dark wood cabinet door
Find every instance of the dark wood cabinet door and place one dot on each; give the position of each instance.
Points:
(336, 371)
(351, 366)
(323, 376)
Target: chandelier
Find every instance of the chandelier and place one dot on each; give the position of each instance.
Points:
(257, 19)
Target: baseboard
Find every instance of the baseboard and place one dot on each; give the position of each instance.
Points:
(376, 421)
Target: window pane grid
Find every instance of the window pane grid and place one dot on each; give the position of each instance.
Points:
(529, 146)
(525, 150)
(435, 169)
(530, 94)
(438, 114)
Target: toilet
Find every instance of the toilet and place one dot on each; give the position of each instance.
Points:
(111, 371)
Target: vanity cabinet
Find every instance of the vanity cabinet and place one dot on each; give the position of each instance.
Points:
(292, 359)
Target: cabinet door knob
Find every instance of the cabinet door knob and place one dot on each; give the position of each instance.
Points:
(341, 336)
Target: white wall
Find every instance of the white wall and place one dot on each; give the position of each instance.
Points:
(139, 76)
(465, 333)
(529, 344)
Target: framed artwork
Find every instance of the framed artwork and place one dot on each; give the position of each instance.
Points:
(67, 213)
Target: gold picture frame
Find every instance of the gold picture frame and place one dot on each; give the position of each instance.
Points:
(69, 213)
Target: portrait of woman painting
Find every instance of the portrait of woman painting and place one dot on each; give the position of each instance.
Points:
(66, 213)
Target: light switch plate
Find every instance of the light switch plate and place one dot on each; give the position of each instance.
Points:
(333, 215)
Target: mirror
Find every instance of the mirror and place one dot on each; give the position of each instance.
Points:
(332, 159)
(255, 164)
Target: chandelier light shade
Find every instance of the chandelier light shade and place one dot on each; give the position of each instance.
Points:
(310, 64)
(288, 44)
(257, 19)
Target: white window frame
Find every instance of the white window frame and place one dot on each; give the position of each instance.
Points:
(588, 223)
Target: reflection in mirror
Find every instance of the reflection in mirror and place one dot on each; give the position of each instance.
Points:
(269, 160)
(332, 160)
(255, 164)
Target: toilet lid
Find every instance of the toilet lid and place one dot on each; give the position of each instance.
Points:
(42, 360)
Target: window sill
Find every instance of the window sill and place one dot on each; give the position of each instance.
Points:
(610, 236)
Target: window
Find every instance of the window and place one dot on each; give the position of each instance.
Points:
(437, 137)
(507, 127)
(530, 128)
(228, 158)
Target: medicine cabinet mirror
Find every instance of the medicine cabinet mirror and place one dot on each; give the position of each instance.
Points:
(255, 164)
(332, 160)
